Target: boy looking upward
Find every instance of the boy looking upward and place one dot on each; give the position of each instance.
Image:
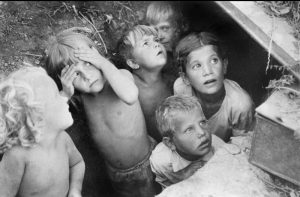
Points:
(109, 97)
(187, 143)
(146, 57)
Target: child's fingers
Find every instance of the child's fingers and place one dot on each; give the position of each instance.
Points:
(71, 74)
(64, 70)
(67, 73)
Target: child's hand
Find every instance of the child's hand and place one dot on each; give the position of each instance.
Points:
(68, 74)
(90, 55)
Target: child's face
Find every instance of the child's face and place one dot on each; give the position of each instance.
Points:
(149, 53)
(167, 34)
(56, 111)
(89, 79)
(205, 70)
(191, 137)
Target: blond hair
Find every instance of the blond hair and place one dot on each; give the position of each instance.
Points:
(166, 112)
(158, 11)
(21, 115)
(60, 52)
(131, 37)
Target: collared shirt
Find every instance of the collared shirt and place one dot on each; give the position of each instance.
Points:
(236, 114)
(165, 162)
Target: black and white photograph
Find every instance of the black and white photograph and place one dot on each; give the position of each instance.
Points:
(149, 99)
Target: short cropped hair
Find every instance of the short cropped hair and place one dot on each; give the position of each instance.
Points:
(131, 37)
(60, 52)
(158, 11)
(21, 115)
(166, 112)
(194, 41)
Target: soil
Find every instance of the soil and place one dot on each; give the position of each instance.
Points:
(26, 26)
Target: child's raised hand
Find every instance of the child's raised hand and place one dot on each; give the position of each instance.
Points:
(68, 74)
(90, 55)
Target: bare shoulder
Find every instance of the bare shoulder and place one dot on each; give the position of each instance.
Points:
(15, 155)
(126, 73)
(66, 139)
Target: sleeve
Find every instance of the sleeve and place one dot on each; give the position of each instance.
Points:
(243, 116)
(160, 167)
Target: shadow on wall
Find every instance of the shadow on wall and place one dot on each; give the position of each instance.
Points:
(247, 59)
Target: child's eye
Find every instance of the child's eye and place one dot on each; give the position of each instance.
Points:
(203, 123)
(146, 44)
(165, 28)
(214, 60)
(188, 130)
(195, 66)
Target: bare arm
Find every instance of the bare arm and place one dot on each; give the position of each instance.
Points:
(121, 81)
(77, 168)
(12, 167)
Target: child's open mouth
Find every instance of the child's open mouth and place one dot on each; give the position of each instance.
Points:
(203, 144)
(209, 81)
(159, 53)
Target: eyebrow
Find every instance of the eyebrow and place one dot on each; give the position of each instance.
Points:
(215, 54)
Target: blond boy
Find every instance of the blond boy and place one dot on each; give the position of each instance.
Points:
(146, 56)
(109, 97)
(187, 143)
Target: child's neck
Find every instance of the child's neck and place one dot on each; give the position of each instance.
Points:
(212, 98)
(211, 103)
(148, 77)
(48, 139)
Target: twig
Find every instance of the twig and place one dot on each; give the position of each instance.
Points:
(124, 6)
(85, 29)
(295, 74)
(95, 30)
(35, 55)
(287, 88)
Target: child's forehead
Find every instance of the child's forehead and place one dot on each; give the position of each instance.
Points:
(81, 44)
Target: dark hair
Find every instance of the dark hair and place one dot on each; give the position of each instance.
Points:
(194, 41)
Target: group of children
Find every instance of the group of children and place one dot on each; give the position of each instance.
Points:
(148, 126)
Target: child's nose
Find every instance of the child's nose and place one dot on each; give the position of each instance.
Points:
(200, 132)
(206, 69)
(160, 35)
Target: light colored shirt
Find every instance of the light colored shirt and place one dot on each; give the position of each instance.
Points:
(165, 162)
(236, 114)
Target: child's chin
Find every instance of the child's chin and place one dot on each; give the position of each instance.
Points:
(69, 122)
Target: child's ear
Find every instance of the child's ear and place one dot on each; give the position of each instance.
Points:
(185, 79)
(132, 64)
(168, 142)
(225, 63)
